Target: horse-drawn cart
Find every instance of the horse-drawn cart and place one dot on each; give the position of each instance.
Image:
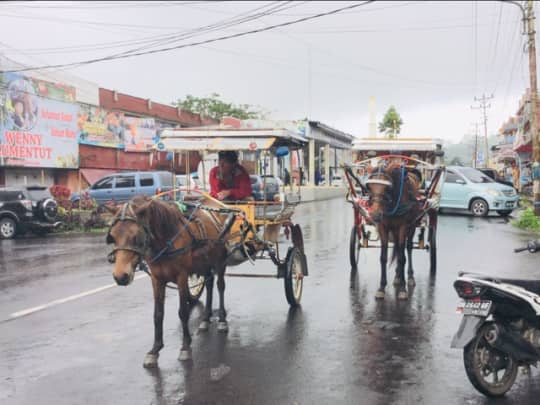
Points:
(430, 176)
(255, 230)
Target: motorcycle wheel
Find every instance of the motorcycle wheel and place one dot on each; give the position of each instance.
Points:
(490, 371)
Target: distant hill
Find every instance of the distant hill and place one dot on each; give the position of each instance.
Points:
(462, 153)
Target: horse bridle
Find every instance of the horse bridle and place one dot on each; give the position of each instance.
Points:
(385, 181)
(140, 249)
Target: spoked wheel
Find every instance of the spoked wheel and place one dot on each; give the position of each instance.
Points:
(490, 371)
(195, 287)
(355, 244)
(294, 276)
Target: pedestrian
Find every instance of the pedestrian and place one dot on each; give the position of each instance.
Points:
(515, 175)
(286, 177)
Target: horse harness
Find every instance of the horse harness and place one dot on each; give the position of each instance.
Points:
(142, 249)
(399, 208)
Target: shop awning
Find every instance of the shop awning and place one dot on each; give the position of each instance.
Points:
(93, 175)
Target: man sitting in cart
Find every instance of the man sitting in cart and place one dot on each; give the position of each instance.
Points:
(229, 180)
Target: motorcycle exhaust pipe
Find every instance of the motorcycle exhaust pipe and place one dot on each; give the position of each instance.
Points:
(511, 343)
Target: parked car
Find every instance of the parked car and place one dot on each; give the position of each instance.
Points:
(181, 181)
(272, 187)
(470, 189)
(27, 208)
(495, 176)
(121, 187)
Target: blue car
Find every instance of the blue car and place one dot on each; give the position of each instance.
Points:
(470, 189)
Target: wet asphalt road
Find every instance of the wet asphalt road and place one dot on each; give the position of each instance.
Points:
(340, 347)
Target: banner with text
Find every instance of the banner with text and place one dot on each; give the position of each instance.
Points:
(114, 129)
(37, 130)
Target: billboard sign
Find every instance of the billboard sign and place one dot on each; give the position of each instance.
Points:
(38, 127)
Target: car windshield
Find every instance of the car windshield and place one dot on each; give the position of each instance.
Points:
(475, 176)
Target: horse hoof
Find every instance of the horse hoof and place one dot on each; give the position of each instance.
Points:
(402, 295)
(411, 282)
(222, 326)
(203, 327)
(185, 355)
(150, 360)
(379, 295)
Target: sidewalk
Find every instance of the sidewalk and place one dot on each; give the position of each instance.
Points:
(319, 193)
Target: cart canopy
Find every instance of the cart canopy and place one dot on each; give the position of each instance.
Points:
(217, 139)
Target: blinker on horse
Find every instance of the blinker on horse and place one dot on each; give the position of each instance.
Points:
(394, 210)
(174, 246)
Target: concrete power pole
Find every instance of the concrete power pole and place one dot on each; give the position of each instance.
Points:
(528, 19)
(475, 149)
(483, 105)
(534, 97)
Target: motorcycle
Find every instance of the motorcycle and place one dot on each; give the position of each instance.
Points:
(500, 328)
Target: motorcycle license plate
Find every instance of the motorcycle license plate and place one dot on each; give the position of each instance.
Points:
(477, 308)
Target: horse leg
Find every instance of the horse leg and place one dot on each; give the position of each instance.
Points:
(222, 324)
(209, 282)
(183, 312)
(410, 272)
(151, 358)
(383, 259)
(402, 290)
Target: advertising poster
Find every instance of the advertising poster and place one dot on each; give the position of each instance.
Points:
(37, 130)
(114, 129)
(139, 133)
(95, 126)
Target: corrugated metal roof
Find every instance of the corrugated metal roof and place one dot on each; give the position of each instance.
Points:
(403, 144)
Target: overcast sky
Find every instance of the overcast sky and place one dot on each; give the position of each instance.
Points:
(428, 59)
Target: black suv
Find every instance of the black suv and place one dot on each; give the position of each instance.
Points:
(27, 208)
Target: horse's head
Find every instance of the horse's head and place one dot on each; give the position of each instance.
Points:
(380, 188)
(130, 237)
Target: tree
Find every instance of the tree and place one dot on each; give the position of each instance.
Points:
(215, 108)
(391, 123)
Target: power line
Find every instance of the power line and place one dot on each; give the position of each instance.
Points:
(181, 46)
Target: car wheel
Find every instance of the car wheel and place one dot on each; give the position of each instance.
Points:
(8, 228)
(479, 207)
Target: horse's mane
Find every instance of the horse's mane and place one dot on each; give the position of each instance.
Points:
(161, 218)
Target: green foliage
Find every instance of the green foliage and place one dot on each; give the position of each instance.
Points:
(391, 123)
(215, 108)
(528, 221)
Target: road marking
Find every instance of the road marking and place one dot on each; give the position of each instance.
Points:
(38, 308)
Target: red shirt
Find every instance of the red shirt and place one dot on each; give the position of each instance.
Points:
(240, 189)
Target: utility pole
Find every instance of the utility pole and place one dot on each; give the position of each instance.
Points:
(534, 97)
(475, 149)
(528, 20)
(483, 105)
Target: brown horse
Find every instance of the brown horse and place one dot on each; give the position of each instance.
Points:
(174, 245)
(395, 211)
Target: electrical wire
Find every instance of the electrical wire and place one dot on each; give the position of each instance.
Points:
(207, 41)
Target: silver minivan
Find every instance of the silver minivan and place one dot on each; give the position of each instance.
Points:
(121, 187)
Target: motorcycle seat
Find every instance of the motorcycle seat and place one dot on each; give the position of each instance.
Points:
(530, 285)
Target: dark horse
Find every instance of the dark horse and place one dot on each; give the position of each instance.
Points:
(175, 246)
(394, 210)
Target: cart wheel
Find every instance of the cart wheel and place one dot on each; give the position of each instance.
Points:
(295, 265)
(354, 246)
(195, 287)
(432, 237)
